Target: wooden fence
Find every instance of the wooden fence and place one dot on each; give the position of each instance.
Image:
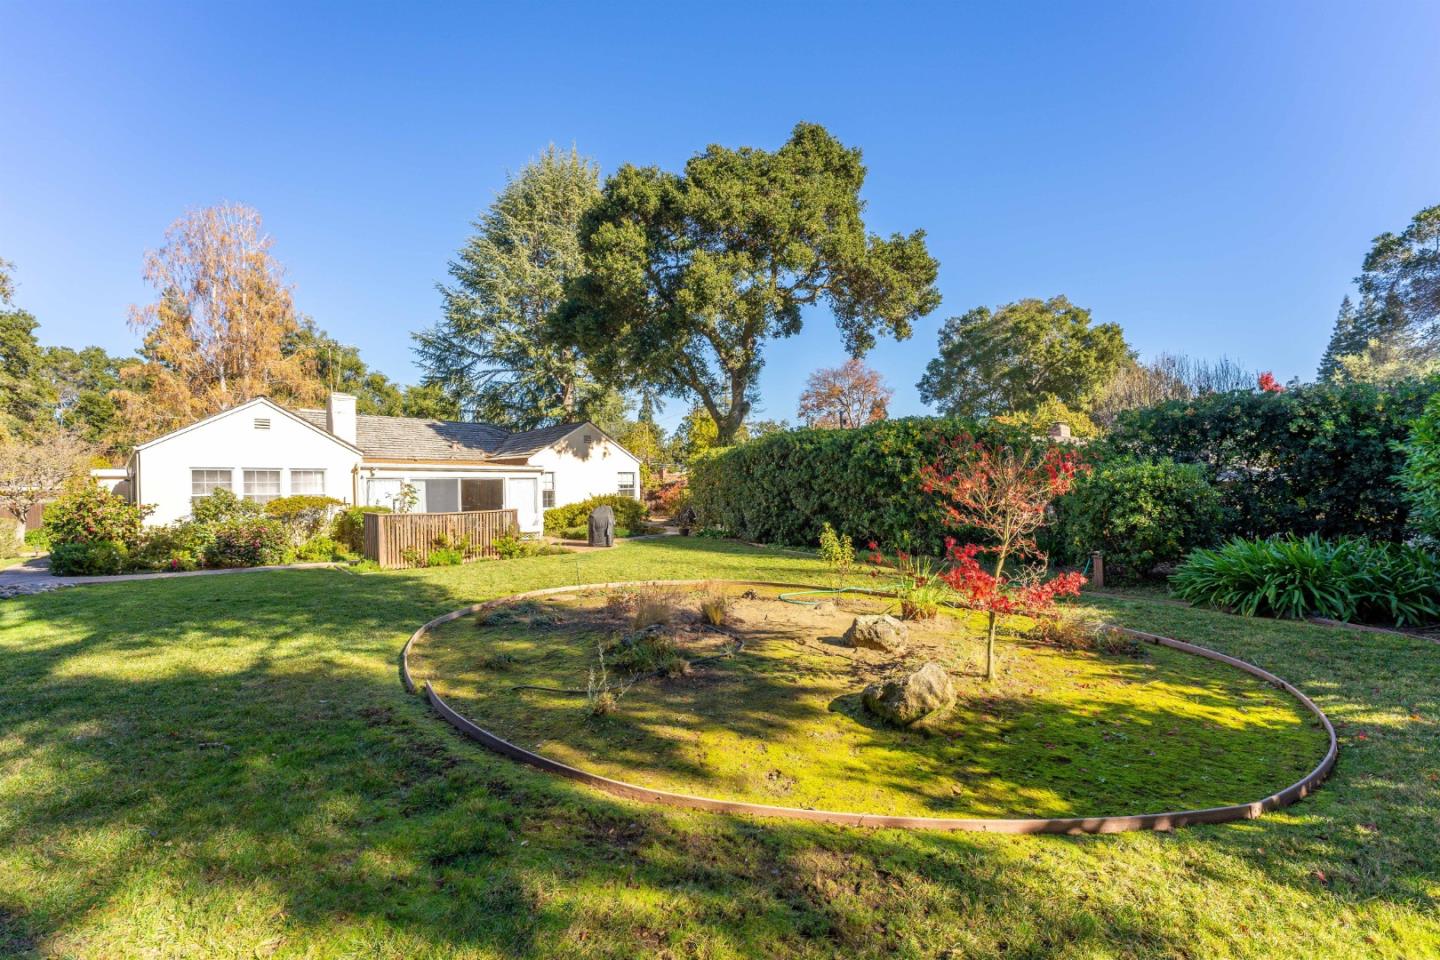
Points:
(406, 539)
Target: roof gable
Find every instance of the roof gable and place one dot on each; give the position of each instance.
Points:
(265, 402)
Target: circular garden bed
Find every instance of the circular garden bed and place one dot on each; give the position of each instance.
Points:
(729, 692)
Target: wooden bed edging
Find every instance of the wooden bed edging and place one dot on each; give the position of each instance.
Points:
(1060, 825)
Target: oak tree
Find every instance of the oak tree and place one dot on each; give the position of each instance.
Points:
(688, 275)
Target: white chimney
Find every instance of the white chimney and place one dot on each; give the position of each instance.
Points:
(340, 416)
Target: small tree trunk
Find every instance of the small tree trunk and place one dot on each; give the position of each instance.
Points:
(990, 648)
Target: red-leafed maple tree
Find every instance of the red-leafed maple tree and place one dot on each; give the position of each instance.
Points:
(1002, 490)
(1268, 384)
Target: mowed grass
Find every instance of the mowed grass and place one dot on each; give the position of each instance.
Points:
(1057, 734)
(228, 767)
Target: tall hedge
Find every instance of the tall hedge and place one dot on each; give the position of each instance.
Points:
(1319, 458)
(865, 482)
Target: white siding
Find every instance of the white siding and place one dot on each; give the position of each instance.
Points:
(232, 441)
(585, 470)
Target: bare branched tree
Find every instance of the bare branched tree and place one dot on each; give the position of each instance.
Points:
(32, 473)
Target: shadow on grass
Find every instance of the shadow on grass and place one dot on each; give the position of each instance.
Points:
(231, 761)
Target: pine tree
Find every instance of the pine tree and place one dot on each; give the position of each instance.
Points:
(1346, 338)
(488, 352)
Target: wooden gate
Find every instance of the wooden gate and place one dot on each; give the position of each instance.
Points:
(406, 539)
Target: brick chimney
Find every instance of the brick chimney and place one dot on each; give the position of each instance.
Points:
(340, 416)
(1058, 431)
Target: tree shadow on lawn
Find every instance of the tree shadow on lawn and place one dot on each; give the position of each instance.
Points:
(259, 779)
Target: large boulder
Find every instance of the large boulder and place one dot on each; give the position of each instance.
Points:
(877, 632)
(911, 695)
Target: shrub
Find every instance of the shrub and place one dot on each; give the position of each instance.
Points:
(94, 558)
(1070, 631)
(628, 513)
(176, 546)
(222, 505)
(348, 527)
(838, 552)
(1139, 514)
(303, 514)
(783, 488)
(1295, 577)
(1420, 476)
(37, 539)
(1320, 458)
(247, 541)
(89, 514)
(445, 557)
(321, 549)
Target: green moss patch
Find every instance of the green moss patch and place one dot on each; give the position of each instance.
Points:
(1060, 733)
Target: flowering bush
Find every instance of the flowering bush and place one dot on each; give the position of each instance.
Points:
(222, 505)
(95, 558)
(1268, 384)
(88, 514)
(247, 542)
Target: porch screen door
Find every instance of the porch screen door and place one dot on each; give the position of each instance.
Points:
(523, 494)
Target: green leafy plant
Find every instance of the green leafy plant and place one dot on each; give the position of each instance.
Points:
(94, 558)
(88, 513)
(1138, 513)
(222, 505)
(247, 541)
(302, 514)
(1420, 475)
(321, 549)
(445, 557)
(629, 513)
(37, 539)
(1319, 458)
(175, 546)
(348, 527)
(1292, 577)
(838, 552)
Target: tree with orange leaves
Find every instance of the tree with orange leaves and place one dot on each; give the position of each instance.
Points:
(851, 395)
(214, 336)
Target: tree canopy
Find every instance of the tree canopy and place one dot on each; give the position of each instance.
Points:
(688, 275)
(850, 395)
(1013, 358)
(489, 352)
(214, 336)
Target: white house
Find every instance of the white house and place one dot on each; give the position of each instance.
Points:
(260, 451)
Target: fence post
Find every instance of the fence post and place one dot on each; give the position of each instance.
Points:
(1097, 570)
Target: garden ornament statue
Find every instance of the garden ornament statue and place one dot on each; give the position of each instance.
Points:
(602, 526)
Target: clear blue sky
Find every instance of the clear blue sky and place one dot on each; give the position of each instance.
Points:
(1206, 175)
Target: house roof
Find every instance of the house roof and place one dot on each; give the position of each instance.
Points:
(412, 438)
(299, 415)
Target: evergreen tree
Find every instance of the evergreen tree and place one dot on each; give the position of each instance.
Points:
(1346, 338)
(488, 352)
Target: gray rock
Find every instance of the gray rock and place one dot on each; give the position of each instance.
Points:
(911, 695)
(877, 632)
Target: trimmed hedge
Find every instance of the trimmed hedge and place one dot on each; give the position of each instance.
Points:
(1138, 513)
(1421, 475)
(865, 482)
(629, 513)
(1320, 458)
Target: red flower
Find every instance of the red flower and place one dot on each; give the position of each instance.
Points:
(1269, 384)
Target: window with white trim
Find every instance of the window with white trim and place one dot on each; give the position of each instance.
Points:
(307, 482)
(262, 486)
(625, 485)
(205, 482)
(547, 491)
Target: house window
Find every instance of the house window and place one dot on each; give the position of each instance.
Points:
(441, 496)
(626, 485)
(482, 494)
(205, 482)
(308, 482)
(547, 490)
(262, 486)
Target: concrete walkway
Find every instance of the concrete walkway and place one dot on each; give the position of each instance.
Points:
(33, 576)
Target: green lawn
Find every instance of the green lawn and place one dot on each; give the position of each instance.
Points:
(1058, 734)
(228, 767)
